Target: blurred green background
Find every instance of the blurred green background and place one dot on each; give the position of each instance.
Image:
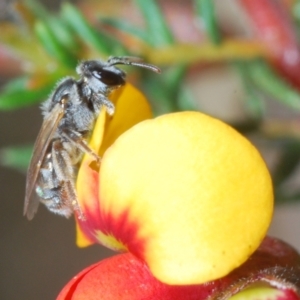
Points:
(216, 57)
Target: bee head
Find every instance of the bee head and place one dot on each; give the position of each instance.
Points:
(104, 76)
(101, 76)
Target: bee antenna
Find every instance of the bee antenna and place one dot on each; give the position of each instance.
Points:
(132, 61)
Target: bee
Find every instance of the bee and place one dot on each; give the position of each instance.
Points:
(69, 116)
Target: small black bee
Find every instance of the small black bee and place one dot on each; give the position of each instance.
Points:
(69, 117)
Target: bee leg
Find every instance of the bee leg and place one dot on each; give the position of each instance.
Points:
(77, 140)
(100, 100)
(65, 172)
(68, 192)
(110, 108)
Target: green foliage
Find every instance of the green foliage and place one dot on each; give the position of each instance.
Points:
(205, 10)
(16, 157)
(254, 100)
(17, 94)
(266, 79)
(53, 44)
(285, 168)
(100, 41)
(127, 27)
(156, 26)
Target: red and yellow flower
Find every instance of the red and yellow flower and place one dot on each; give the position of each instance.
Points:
(125, 277)
(187, 195)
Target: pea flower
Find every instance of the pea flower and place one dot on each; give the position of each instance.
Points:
(186, 195)
(128, 278)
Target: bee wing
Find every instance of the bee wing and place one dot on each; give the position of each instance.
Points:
(45, 135)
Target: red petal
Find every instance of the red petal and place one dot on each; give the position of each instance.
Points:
(126, 277)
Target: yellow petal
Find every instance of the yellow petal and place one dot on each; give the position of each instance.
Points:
(188, 194)
(131, 107)
(260, 293)
(87, 188)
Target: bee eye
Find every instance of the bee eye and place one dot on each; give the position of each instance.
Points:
(109, 78)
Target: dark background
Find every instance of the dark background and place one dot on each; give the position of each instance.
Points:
(39, 257)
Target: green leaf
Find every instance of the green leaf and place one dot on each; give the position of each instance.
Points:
(36, 8)
(185, 99)
(16, 157)
(205, 10)
(173, 79)
(272, 84)
(97, 40)
(156, 26)
(53, 46)
(64, 35)
(167, 91)
(17, 94)
(178, 94)
(253, 100)
(158, 96)
(288, 161)
(127, 27)
(296, 10)
(57, 27)
(282, 198)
